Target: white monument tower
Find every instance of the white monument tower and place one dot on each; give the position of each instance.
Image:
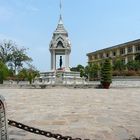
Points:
(60, 45)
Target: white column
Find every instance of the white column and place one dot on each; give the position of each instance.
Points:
(110, 54)
(66, 60)
(54, 61)
(126, 60)
(104, 55)
(126, 50)
(118, 52)
(133, 50)
(51, 60)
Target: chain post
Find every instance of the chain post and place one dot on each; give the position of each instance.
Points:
(3, 120)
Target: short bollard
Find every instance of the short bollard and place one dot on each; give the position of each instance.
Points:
(3, 120)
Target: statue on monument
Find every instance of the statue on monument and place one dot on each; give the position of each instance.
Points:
(60, 62)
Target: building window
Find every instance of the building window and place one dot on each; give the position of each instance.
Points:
(107, 55)
(122, 51)
(101, 55)
(114, 53)
(137, 48)
(130, 58)
(95, 56)
(90, 58)
(129, 49)
(123, 61)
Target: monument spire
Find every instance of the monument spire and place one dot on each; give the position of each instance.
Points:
(60, 6)
(60, 18)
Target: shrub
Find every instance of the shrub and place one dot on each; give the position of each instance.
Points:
(106, 72)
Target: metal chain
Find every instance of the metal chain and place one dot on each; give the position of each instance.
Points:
(46, 133)
(41, 132)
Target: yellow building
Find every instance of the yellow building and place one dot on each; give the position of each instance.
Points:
(126, 52)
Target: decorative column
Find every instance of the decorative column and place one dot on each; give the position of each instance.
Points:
(67, 60)
(3, 121)
(53, 61)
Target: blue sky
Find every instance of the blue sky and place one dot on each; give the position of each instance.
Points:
(91, 24)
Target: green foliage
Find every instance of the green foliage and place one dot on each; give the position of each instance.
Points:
(82, 72)
(22, 75)
(92, 70)
(106, 72)
(133, 65)
(73, 69)
(31, 74)
(28, 74)
(80, 69)
(119, 65)
(3, 72)
(18, 57)
(12, 55)
(6, 49)
(137, 58)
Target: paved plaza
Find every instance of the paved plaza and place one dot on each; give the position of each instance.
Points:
(99, 114)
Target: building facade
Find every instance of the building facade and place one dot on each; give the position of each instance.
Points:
(125, 52)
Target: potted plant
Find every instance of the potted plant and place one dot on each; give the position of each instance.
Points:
(106, 74)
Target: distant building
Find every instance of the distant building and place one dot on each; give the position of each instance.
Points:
(125, 52)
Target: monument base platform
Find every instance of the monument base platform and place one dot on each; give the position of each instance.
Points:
(60, 77)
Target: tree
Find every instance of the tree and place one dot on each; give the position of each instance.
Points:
(28, 74)
(73, 69)
(22, 75)
(6, 49)
(119, 65)
(17, 58)
(13, 56)
(133, 65)
(92, 70)
(106, 74)
(3, 72)
(80, 69)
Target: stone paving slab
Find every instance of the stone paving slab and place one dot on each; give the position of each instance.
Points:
(99, 114)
